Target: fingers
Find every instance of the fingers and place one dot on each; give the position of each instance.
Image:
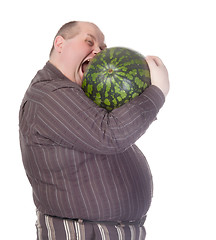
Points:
(153, 60)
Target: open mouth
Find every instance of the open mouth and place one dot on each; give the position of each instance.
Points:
(85, 65)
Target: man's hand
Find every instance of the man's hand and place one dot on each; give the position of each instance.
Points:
(159, 74)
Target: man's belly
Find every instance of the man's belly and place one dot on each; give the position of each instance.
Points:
(99, 187)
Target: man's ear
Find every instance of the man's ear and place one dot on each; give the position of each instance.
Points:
(58, 43)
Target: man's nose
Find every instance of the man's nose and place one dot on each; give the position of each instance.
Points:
(96, 50)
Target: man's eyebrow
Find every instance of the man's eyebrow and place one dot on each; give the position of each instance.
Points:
(91, 36)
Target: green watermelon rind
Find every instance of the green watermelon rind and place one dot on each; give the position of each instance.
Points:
(122, 74)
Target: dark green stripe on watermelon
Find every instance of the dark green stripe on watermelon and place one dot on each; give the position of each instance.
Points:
(115, 76)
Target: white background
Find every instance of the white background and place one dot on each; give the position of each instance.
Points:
(180, 145)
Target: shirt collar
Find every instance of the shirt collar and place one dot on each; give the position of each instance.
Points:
(56, 72)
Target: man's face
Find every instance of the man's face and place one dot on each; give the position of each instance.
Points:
(77, 51)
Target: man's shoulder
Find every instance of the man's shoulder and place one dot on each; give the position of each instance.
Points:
(50, 79)
(50, 84)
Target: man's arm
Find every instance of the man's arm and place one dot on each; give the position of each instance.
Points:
(68, 118)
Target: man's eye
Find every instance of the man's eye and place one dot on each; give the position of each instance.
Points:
(103, 48)
(90, 43)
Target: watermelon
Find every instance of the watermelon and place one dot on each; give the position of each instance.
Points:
(115, 76)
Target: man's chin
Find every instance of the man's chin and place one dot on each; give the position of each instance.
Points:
(80, 75)
(79, 80)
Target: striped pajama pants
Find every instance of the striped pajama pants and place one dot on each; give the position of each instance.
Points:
(53, 228)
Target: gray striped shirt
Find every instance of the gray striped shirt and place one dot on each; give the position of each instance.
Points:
(81, 160)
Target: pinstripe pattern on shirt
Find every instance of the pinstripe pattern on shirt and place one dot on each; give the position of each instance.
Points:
(81, 160)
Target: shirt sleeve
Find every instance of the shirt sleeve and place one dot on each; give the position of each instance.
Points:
(68, 118)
